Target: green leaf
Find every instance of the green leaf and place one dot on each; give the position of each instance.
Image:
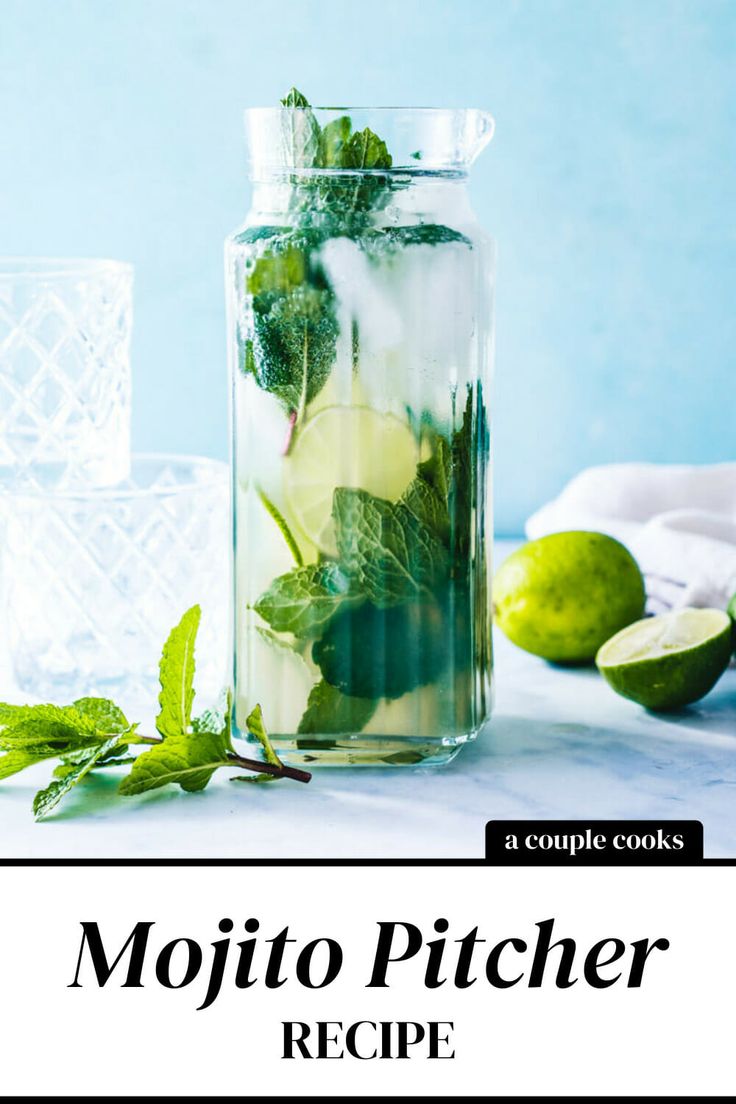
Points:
(46, 800)
(255, 726)
(384, 653)
(462, 487)
(427, 496)
(366, 150)
(216, 719)
(428, 233)
(189, 759)
(304, 600)
(32, 733)
(294, 98)
(104, 714)
(116, 757)
(330, 712)
(278, 270)
(14, 761)
(48, 732)
(389, 553)
(300, 131)
(257, 778)
(176, 674)
(283, 526)
(294, 344)
(112, 758)
(186, 757)
(57, 717)
(252, 234)
(334, 144)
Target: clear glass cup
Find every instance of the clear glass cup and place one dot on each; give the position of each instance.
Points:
(360, 323)
(96, 578)
(65, 369)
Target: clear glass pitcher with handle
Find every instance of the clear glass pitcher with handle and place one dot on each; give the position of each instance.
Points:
(360, 294)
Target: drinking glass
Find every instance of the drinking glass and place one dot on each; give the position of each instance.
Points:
(65, 370)
(97, 577)
(360, 324)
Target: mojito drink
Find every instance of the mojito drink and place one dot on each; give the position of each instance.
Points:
(360, 307)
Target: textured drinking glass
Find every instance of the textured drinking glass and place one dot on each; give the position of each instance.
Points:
(95, 580)
(360, 315)
(65, 369)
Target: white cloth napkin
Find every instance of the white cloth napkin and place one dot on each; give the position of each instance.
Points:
(679, 522)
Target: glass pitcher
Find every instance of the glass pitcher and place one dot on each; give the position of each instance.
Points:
(360, 292)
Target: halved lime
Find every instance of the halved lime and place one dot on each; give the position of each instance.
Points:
(668, 661)
(345, 446)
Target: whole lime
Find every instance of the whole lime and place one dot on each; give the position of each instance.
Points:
(669, 661)
(732, 614)
(562, 596)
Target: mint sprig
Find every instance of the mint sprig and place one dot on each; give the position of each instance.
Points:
(94, 733)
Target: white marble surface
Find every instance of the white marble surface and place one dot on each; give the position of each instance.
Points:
(560, 745)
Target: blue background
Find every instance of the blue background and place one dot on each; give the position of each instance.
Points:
(609, 187)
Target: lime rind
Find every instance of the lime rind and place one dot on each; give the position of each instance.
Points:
(732, 615)
(670, 661)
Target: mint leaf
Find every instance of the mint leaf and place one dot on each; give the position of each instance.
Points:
(14, 761)
(94, 733)
(283, 526)
(116, 757)
(294, 327)
(300, 131)
(32, 733)
(191, 751)
(427, 496)
(18, 723)
(384, 653)
(104, 714)
(389, 553)
(331, 712)
(304, 600)
(366, 150)
(217, 718)
(334, 144)
(46, 800)
(462, 489)
(41, 735)
(294, 343)
(428, 233)
(254, 724)
(294, 98)
(187, 758)
(252, 234)
(278, 270)
(176, 674)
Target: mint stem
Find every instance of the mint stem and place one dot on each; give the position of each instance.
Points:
(270, 768)
(260, 766)
(293, 418)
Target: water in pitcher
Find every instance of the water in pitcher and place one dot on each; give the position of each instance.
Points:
(360, 313)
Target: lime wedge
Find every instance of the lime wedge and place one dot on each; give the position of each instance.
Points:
(668, 661)
(345, 446)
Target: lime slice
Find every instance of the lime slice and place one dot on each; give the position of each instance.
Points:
(345, 446)
(668, 661)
